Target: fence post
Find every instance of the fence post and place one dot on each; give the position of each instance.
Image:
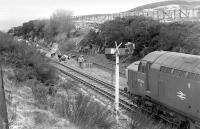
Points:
(3, 107)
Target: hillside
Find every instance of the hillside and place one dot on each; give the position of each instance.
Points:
(167, 5)
(172, 4)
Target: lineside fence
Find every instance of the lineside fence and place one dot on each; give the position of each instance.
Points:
(3, 107)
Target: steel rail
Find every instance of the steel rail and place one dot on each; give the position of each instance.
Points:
(124, 104)
(110, 86)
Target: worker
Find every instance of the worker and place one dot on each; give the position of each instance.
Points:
(53, 54)
(59, 57)
(80, 61)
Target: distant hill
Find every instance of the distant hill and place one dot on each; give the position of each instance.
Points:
(163, 5)
(172, 4)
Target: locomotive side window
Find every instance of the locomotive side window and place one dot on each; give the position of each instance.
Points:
(191, 75)
(197, 77)
(165, 69)
(179, 73)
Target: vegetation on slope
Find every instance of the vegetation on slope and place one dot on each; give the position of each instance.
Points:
(27, 60)
(31, 72)
(147, 34)
(55, 29)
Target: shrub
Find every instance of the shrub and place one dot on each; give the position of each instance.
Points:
(141, 120)
(40, 93)
(85, 112)
(28, 60)
(6, 42)
(40, 117)
(46, 73)
(68, 85)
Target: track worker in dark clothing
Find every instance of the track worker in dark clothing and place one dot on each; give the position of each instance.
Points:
(80, 61)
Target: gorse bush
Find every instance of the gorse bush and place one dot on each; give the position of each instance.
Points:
(84, 112)
(46, 73)
(6, 42)
(68, 85)
(28, 60)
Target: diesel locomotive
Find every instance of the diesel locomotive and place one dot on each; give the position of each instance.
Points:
(168, 85)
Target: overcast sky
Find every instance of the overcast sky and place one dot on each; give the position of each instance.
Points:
(15, 12)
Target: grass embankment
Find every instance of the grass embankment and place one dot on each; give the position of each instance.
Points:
(142, 120)
(35, 97)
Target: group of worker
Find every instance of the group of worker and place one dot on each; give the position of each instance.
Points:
(80, 59)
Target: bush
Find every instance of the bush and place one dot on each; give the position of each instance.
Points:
(46, 73)
(68, 85)
(85, 112)
(28, 61)
(40, 117)
(140, 120)
(40, 93)
(6, 42)
(23, 74)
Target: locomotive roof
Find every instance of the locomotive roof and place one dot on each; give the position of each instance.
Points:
(134, 66)
(151, 57)
(181, 61)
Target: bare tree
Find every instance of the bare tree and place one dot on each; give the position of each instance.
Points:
(59, 26)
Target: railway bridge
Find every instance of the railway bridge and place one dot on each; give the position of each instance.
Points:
(164, 15)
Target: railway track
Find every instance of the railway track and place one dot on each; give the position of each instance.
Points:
(111, 87)
(104, 89)
(101, 87)
(104, 67)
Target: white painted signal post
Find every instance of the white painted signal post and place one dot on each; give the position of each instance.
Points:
(119, 51)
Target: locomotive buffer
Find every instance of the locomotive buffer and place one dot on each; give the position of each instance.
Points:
(119, 51)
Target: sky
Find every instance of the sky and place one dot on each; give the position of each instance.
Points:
(15, 12)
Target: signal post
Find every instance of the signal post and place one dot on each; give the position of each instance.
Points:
(119, 51)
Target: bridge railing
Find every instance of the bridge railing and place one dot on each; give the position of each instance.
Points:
(161, 15)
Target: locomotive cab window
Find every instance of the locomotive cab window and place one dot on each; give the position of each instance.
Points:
(143, 67)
